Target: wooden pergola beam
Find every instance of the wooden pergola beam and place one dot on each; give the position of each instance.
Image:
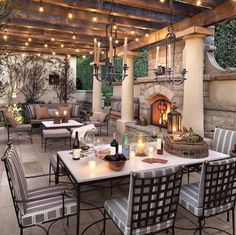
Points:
(222, 12)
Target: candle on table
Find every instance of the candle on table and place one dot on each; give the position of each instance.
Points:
(150, 152)
(92, 164)
(140, 147)
(65, 112)
(132, 154)
(57, 113)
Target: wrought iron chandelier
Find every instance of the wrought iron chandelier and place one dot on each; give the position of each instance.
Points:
(108, 71)
(166, 74)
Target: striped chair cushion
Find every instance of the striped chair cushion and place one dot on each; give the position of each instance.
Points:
(75, 111)
(17, 174)
(48, 209)
(189, 200)
(224, 140)
(117, 209)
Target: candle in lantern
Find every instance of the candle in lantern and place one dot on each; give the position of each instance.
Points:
(110, 50)
(125, 51)
(65, 113)
(57, 113)
(140, 147)
(157, 55)
(92, 164)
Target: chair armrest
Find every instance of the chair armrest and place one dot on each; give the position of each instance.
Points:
(36, 176)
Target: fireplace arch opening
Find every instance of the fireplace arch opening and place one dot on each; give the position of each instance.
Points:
(160, 107)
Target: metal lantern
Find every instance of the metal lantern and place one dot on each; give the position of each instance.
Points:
(173, 121)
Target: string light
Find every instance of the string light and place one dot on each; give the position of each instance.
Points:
(95, 19)
(136, 39)
(146, 35)
(116, 41)
(115, 27)
(68, 56)
(54, 53)
(52, 39)
(90, 52)
(27, 44)
(39, 54)
(199, 2)
(23, 54)
(29, 39)
(70, 15)
(77, 50)
(132, 32)
(41, 9)
(45, 45)
(162, 1)
(62, 45)
(103, 52)
(84, 56)
(74, 37)
(5, 37)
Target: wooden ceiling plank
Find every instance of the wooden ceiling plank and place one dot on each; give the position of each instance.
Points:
(220, 13)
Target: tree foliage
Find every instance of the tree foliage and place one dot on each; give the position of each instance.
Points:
(225, 40)
(84, 73)
(141, 63)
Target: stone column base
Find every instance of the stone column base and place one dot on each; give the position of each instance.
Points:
(121, 125)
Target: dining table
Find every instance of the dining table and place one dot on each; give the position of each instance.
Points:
(81, 173)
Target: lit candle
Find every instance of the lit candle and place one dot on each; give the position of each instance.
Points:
(98, 51)
(150, 152)
(57, 113)
(95, 50)
(92, 164)
(65, 113)
(140, 147)
(132, 154)
(110, 50)
(169, 56)
(125, 51)
(157, 55)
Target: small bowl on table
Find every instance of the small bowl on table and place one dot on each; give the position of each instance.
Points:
(115, 162)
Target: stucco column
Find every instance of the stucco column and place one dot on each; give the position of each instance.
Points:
(97, 96)
(127, 96)
(193, 112)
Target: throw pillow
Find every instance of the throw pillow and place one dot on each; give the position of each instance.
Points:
(64, 111)
(75, 112)
(11, 120)
(99, 116)
(30, 110)
(42, 112)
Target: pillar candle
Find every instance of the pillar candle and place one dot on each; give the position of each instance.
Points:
(125, 51)
(140, 147)
(110, 50)
(157, 56)
(169, 56)
(98, 52)
(95, 50)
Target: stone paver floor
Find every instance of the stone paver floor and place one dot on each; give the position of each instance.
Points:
(36, 162)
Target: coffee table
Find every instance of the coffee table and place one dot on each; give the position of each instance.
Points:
(69, 124)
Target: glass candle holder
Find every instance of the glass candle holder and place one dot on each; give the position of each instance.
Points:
(141, 146)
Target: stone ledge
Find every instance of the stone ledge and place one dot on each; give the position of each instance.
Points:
(217, 107)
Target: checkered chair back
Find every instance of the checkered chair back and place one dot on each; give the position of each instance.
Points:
(217, 189)
(153, 199)
(224, 140)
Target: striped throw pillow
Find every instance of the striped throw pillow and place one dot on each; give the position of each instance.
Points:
(30, 111)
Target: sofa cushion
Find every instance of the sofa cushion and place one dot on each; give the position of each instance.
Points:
(75, 110)
(30, 110)
(11, 120)
(41, 112)
(64, 111)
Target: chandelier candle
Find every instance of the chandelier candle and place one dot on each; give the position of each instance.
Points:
(95, 50)
(98, 52)
(110, 51)
(125, 51)
(157, 55)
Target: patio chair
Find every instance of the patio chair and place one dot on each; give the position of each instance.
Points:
(214, 194)
(24, 130)
(224, 140)
(151, 205)
(37, 206)
(101, 119)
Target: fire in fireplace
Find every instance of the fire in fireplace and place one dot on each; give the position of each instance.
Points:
(160, 107)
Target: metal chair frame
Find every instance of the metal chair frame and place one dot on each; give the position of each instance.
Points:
(151, 202)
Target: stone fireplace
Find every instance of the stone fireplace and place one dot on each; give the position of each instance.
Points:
(160, 107)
